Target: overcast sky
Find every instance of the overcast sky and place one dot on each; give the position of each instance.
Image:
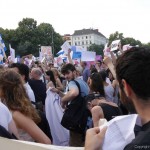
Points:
(131, 17)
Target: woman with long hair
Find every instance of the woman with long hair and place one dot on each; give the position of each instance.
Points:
(59, 85)
(13, 94)
(50, 78)
(99, 106)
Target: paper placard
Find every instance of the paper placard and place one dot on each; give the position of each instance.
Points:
(66, 46)
(55, 62)
(115, 45)
(88, 56)
(59, 60)
(46, 50)
(117, 136)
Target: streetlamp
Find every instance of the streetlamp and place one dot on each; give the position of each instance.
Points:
(52, 42)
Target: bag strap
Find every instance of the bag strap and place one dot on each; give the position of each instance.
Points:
(78, 85)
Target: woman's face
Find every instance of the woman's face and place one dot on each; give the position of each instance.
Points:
(47, 77)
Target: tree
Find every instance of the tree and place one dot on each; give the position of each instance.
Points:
(146, 45)
(97, 48)
(115, 36)
(26, 37)
(131, 41)
(48, 37)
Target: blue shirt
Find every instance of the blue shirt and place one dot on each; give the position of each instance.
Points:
(83, 86)
(86, 74)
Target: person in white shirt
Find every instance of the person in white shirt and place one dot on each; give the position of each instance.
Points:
(23, 70)
(6, 121)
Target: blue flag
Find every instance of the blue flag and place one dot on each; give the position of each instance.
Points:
(2, 44)
(76, 55)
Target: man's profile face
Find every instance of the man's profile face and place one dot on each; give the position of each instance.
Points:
(70, 75)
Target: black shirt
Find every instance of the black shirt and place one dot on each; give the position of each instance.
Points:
(39, 89)
(142, 139)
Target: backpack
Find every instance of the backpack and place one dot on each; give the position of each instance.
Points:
(76, 114)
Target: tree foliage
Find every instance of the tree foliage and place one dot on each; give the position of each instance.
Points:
(115, 36)
(97, 48)
(28, 36)
(124, 40)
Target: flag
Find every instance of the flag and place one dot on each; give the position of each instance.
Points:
(12, 53)
(2, 49)
(60, 52)
(76, 55)
(2, 44)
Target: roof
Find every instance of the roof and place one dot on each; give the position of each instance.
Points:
(87, 31)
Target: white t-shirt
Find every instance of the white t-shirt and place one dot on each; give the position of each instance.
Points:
(29, 92)
(5, 116)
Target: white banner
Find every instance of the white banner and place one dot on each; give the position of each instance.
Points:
(88, 56)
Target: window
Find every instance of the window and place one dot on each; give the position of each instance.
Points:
(82, 42)
(78, 43)
(86, 42)
(86, 37)
(75, 43)
(90, 42)
(78, 38)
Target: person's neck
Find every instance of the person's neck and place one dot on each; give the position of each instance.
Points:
(143, 109)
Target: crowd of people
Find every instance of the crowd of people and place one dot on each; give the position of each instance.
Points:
(33, 99)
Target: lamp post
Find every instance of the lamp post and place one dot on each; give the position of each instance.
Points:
(52, 42)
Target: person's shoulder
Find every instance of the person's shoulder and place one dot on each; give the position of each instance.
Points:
(72, 82)
(3, 107)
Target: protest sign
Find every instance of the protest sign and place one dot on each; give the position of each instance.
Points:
(88, 56)
(115, 45)
(55, 62)
(66, 46)
(46, 50)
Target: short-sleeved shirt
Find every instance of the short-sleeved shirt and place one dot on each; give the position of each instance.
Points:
(83, 86)
(86, 74)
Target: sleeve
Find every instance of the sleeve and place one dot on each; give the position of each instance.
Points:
(72, 84)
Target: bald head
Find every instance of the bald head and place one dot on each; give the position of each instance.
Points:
(36, 73)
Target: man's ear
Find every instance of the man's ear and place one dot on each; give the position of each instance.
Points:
(74, 72)
(127, 88)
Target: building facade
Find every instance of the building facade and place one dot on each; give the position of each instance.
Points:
(86, 37)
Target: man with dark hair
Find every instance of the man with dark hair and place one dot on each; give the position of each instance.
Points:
(23, 70)
(69, 72)
(133, 75)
